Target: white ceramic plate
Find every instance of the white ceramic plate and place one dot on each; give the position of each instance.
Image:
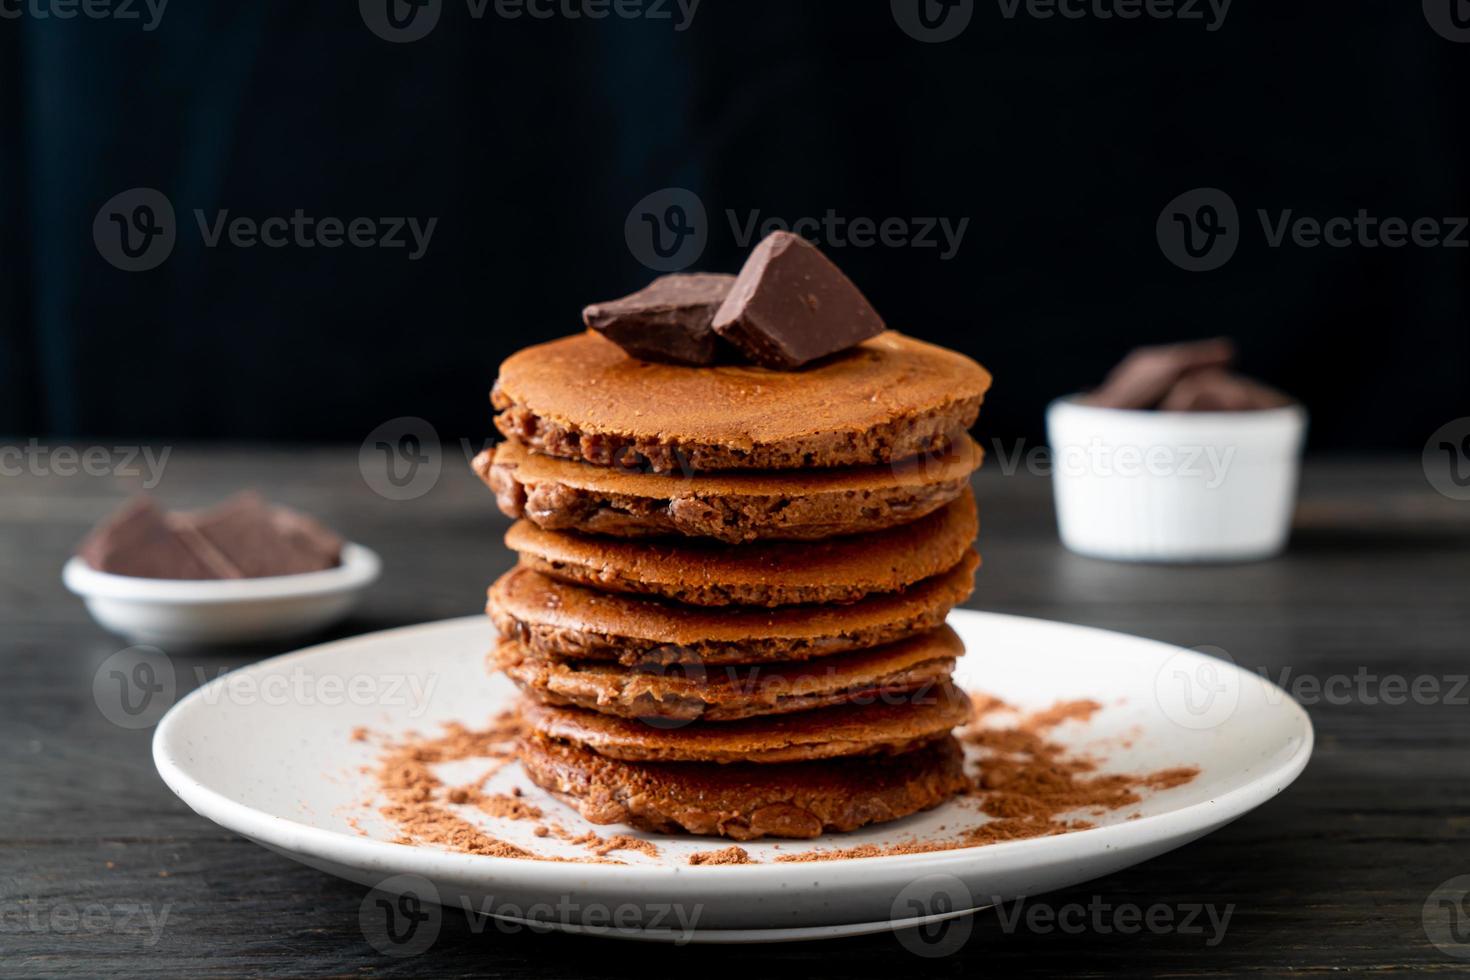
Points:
(283, 770)
(175, 612)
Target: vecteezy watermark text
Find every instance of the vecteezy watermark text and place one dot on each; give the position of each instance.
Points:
(1200, 230)
(1208, 462)
(136, 230)
(1104, 918)
(123, 10)
(932, 917)
(668, 230)
(1211, 13)
(937, 21)
(402, 916)
(833, 230)
(305, 231)
(135, 686)
(402, 21)
(34, 459)
(54, 918)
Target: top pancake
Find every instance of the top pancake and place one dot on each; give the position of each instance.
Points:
(582, 397)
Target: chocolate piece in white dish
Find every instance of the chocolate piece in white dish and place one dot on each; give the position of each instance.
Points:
(243, 537)
(1185, 377)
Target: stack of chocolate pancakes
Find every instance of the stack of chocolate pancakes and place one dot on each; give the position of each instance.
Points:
(728, 613)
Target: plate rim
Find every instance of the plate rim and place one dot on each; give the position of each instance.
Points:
(339, 847)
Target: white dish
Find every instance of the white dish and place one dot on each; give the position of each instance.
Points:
(287, 773)
(189, 612)
(1174, 486)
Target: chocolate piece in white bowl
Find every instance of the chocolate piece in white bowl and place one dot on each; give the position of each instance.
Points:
(242, 537)
(243, 571)
(1176, 459)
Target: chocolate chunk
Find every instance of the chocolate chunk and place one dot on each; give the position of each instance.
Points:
(255, 539)
(1148, 374)
(138, 540)
(1217, 390)
(244, 537)
(790, 305)
(667, 320)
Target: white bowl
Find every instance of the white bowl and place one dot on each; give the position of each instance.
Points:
(194, 612)
(1174, 486)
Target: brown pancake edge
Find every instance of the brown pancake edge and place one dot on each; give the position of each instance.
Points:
(888, 398)
(566, 621)
(557, 495)
(884, 727)
(765, 573)
(743, 801)
(689, 692)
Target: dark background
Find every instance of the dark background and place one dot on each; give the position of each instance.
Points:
(530, 140)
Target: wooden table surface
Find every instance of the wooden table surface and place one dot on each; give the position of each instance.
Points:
(104, 872)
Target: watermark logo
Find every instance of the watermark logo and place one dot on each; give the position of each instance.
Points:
(945, 900)
(667, 230)
(1197, 693)
(400, 459)
(1449, 18)
(1446, 917)
(135, 230)
(679, 668)
(135, 686)
(400, 21)
(1199, 230)
(933, 21)
(1447, 459)
(401, 917)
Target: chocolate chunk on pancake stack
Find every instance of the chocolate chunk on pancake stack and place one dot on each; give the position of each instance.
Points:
(728, 613)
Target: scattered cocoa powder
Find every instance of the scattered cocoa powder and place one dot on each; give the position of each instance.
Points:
(622, 842)
(1027, 783)
(406, 779)
(729, 855)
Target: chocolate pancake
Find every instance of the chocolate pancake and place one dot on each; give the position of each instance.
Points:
(557, 619)
(766, 573)
(888, 398)
(886, 727)
(559, 494)
(689, 692)
(746, 801)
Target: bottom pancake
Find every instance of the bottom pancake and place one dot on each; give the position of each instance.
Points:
(747, 801)
(885, 726)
